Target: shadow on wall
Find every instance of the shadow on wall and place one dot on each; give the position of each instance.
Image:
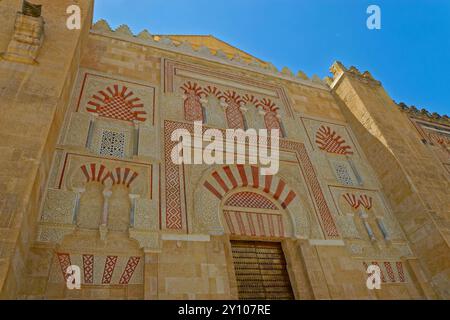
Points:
(409, 210)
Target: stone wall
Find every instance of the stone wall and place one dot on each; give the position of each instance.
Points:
(413, 179)
(34, 100)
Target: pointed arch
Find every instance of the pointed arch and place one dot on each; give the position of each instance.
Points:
(234, 115)
(271, 116)
(117, 102)
(95, 172)
(193, 94)
(249, 212)
(228, 178)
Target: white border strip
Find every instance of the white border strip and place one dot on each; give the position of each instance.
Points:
(185, 237)
(318, 242)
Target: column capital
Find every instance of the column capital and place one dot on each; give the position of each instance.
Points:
(134, 196)
(79, 190)
(107, 193)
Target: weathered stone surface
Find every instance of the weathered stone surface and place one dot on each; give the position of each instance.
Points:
(86, 176)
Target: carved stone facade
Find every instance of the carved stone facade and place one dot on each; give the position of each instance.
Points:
(108, 198)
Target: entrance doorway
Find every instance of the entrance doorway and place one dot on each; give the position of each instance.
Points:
(260, 269)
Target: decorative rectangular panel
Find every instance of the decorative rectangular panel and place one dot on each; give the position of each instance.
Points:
(391, 271)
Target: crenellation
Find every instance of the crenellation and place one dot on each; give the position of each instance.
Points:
(165, 42)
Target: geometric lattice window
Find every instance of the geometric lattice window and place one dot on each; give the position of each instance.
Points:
(250, 200)
(112, 144)
(342, 174)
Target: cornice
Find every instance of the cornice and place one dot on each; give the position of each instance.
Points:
(124, 33)
(423, 114)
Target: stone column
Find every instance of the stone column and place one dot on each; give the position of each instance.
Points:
(204, 103)
(355, 171)
(364, 217)
(133, 200)
(76, 208)
(383, 229)
(107, 193)
(91, 130)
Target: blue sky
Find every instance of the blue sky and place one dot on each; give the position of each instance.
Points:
(410, 54)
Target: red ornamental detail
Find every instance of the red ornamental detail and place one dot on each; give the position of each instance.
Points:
(272, 122)
(235, 118)
(174, 210)
(193, 110)
(117, 103)
(250, 99)
(401, 274)
(331, 142)
(366, 266)
(88, 268)
(129, 270)
(227, 180)
(267, 105)
(355, 202)
(389, 271)
(174, 189)
(271, 116)
(231, 96)
(95, 172)
(365, 201)
(327, 220)
(352, 200)
(439, 139)
(64, 262)
(124, 176)
(442, 141)
(110, 265)
(213, 91)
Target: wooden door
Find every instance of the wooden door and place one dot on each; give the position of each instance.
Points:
(260, 269)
